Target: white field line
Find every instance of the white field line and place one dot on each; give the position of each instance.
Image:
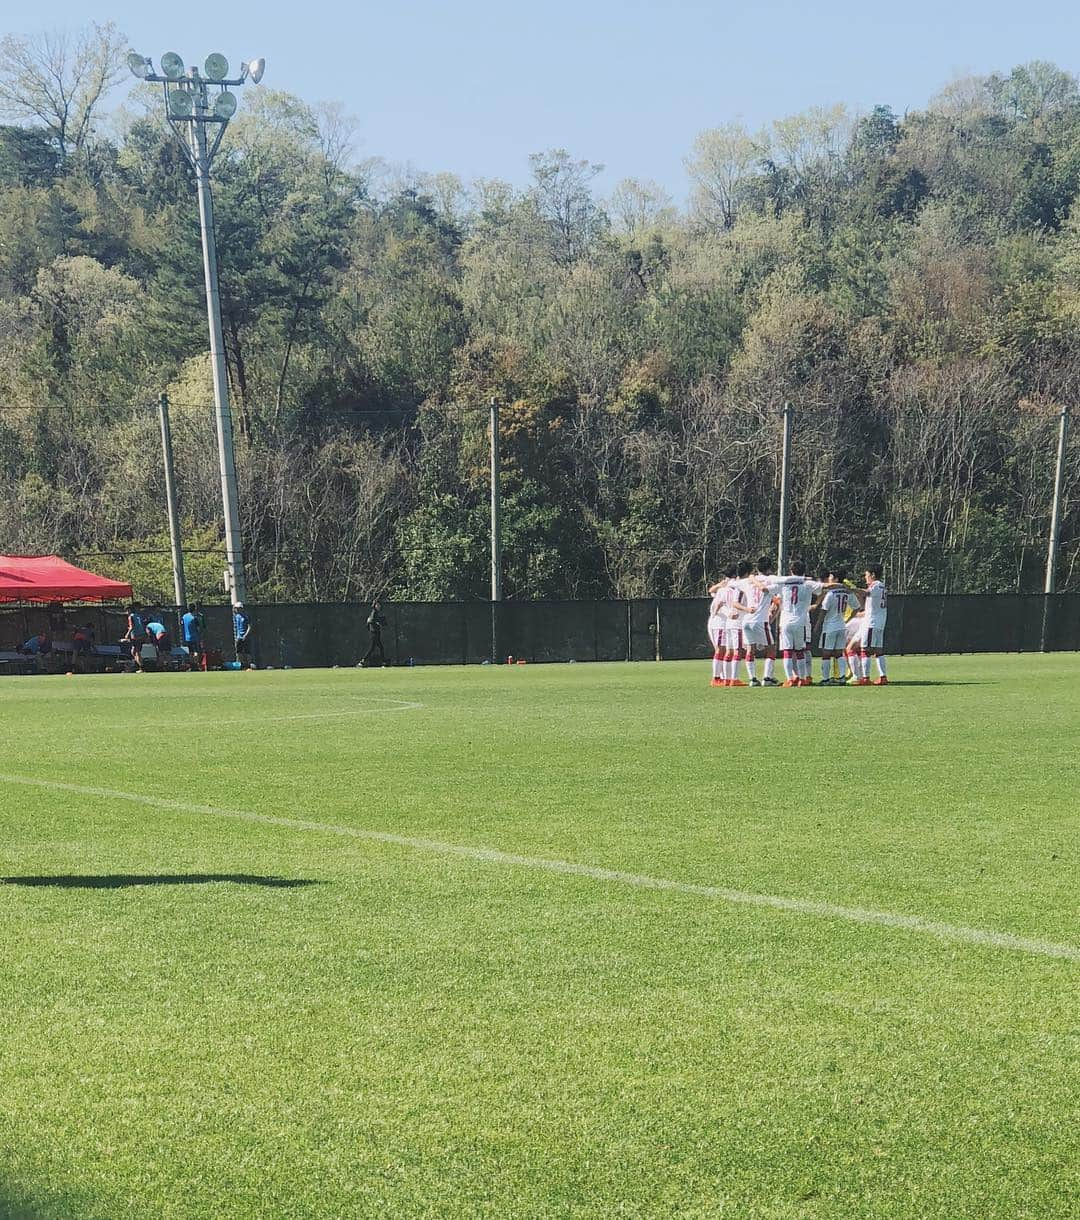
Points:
(401, 705)
(490, 855)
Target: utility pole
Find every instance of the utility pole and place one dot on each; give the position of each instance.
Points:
(1055, 527)
(1055, 512)
(496, 531)
(785, 465)
(170, 499)
(195, 101)
(234, 559)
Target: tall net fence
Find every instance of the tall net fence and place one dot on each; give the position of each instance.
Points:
(468, 633)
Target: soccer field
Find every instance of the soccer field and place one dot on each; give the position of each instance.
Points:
(541, 941)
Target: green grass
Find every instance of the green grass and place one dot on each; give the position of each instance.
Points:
(421, 1034)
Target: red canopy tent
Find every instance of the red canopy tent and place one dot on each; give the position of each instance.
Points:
(48, 578)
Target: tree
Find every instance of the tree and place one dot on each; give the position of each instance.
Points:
(638, 207)
(723, 159)
(562, 189)
(60, 81)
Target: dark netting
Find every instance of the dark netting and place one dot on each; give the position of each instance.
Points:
(644, 641)
(437, 633)
(563, 631)
(684, 630)
(461, 633)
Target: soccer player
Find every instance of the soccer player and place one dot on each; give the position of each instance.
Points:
(835, 605)
(796, 594)
(734, 610)
(872, 635)
(758, 638)
(717, 621)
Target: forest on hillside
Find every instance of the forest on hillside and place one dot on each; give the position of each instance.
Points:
(911, 284)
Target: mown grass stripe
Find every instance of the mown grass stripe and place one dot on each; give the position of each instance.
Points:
(489, 855)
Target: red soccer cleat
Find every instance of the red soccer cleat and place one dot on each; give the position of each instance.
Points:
(863, 682)
(735, 682)
(882, 681)
(791, 682)
(717, 682)
(806, 681)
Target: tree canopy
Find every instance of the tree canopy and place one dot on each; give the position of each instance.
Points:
(910, 284)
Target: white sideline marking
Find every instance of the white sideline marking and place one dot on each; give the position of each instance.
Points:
(491, 855)
(402, 705)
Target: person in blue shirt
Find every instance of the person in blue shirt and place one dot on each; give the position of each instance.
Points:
(37, 646)
(242, 633)
(159, 634)
(191, 633)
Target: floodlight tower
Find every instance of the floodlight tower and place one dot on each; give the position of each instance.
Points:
(195, 101)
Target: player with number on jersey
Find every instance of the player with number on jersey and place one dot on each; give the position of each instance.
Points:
(796, 595)
(835, 605)
(872, 635)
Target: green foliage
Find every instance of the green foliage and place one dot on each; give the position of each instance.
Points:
(907, 283)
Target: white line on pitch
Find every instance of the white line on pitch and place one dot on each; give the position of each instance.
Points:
(490, 855)
(402, 705)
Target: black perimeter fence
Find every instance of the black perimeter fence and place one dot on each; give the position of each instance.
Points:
(469, 633)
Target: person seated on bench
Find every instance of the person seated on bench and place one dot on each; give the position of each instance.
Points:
(38, 646)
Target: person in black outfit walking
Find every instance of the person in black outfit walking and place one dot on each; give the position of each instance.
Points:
(375, 624)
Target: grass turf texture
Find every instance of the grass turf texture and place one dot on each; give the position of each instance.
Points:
(415, 1034)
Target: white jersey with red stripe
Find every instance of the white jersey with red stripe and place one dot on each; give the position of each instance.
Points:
(876, 604)
(834, 607)
(760, 602)
(796, 594)
(732, 594)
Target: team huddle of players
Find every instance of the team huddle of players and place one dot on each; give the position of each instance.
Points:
(755, 614)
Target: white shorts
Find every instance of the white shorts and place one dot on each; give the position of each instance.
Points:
(757, 635)
(833, 641)
(715, 629)
(872, 637)
(733, 639)
(793, 637)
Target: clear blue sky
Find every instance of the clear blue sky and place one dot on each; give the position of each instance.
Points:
(474, 87)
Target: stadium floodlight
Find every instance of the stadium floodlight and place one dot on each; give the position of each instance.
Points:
(172, 65)
(196, 106)
(216, 66)
(181, 103)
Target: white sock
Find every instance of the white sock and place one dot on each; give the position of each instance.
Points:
(789, 668)
(841, 664)
(825, 667)
(751, 671)
(881, 667)
(717, 665)
(770, 665)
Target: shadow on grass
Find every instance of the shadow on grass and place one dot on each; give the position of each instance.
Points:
(910, 682)
(119, 881)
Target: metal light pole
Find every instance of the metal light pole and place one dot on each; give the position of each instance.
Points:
(1055, 528)
(194, 102)
(170, 499)
(496, 530)
(785, 462)
(1055, 512)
